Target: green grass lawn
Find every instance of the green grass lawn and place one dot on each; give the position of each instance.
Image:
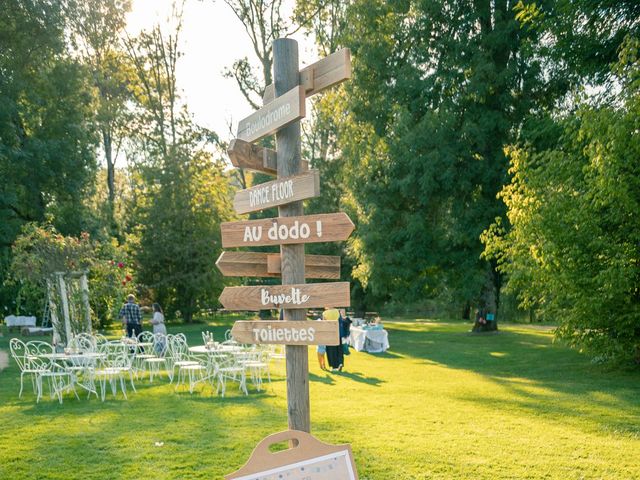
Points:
(441, 404)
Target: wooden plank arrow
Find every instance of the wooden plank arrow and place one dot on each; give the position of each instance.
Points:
(311, 295)
(325, 73)
(281, 332)
(279, 113)
(254, 157)
(258, 264)
(278, 192)
(326, 227)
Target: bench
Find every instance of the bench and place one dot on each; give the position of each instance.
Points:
(13, 321)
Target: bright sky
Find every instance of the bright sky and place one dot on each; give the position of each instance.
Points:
(212, 38)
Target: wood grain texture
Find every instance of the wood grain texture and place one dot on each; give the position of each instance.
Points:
(259, 264)
(307, 447)
(280, 332)
(325, 227)
(325, 73)
(278, 192)
(297, 296)
(275, 115)
(254, 157)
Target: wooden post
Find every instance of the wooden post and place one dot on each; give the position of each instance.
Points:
(286, 77)
(53, 311)
(84, 285)
(65, 307)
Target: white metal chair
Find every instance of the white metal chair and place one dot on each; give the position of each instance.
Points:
(20, 355)
(256, 362)
(179, 353)
(59, 378)
(230, 370)
(112, 366)
(153, 363)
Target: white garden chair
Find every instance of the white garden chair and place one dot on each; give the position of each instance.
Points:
(112, 367)
(59, 378)
(154, 363)
(230, 370)
(20, 355)
(256, 362)
(178, 350)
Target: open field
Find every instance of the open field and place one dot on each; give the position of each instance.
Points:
(441, 404)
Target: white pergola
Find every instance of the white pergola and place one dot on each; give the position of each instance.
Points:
(62, 288)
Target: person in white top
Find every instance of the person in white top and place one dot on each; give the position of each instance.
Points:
(158, 327)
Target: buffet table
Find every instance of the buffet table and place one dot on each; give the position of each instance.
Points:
(369, 339)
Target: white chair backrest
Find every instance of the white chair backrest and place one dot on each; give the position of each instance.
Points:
(145, 336)
(19, 353)
(159, 344)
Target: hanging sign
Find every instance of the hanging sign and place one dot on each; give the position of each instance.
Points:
(279, 113)
(309, 295)
(278, 192)
(280, 332)
(327, 72)
(325, 227)
(258, 264)
(308, 459)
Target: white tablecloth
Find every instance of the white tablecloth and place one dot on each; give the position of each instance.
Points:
(373, 341)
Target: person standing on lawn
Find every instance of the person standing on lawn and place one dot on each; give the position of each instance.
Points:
(131, 317)
(335, 354)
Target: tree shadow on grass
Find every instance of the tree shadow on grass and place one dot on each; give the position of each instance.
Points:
(359, 377)
(535, 375)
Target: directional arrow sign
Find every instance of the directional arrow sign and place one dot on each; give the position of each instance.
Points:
(326, 227)
(257, 264)
(321, 75)
(281, 332)
(278, 192)
(311, 295)
(275, 115)
(254, 157)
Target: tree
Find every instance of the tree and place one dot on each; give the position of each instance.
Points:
(573, 242)
(47, 158)
(438, 89)
(96, 30)
(182, 193)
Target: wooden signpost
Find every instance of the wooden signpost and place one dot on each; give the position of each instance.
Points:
(280, 112)
(284, 107)
(259, 264)
(278, 192)
(324, 227)
(280, 332)
(309, 295)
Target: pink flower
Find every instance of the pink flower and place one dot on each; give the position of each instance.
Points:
(120, 265)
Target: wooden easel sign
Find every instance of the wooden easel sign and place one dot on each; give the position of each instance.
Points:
(308, 459)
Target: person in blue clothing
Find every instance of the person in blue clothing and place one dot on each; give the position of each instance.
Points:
(131, 317)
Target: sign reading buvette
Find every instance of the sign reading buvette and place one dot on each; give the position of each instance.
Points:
(305, 295)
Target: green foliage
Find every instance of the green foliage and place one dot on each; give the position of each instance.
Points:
(40, 252)
(179, 234)
(47, 158)
(573, 245)
(438, 89)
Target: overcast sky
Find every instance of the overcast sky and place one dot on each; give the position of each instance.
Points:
(212, 39)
